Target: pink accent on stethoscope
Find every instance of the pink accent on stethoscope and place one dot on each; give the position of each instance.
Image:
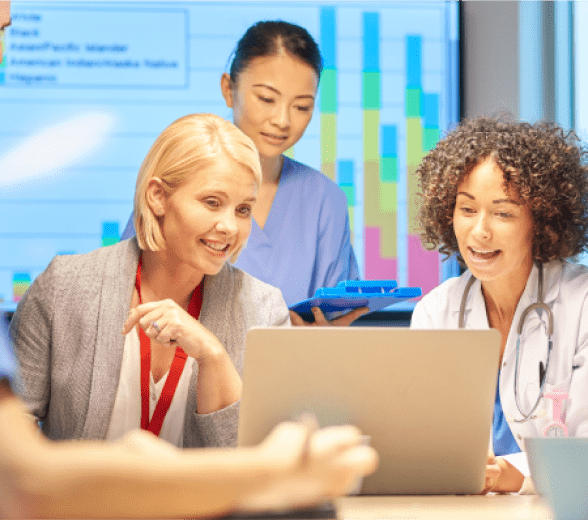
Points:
(558, 395)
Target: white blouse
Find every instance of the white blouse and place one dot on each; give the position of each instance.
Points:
(126, 415)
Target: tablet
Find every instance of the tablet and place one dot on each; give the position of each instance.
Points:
(348, 295)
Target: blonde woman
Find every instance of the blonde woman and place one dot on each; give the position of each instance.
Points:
(182, 308)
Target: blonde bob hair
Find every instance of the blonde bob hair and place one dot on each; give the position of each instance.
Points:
(187, 145)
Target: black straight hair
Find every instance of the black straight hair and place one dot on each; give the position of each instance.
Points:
(267, 38)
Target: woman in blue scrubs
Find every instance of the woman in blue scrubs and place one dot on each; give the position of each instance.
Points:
(300, 238)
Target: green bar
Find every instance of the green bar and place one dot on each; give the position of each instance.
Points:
(289, 152)
(430, 138)
(413, 102)
(350, 192)
(109, 241)
(328, 98)
(371, 90)
(389, 169)
(389, 204)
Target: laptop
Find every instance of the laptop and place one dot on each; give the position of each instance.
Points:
(425, 397)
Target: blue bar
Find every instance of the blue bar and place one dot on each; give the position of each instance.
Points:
(564, 80)
(345, 173)
(328, 37)
(371, 42)
(110, 229)
(389, 141)
(413, 61)
(431, 110)
(530, 61)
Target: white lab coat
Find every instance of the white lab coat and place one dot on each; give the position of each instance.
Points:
(566, 293)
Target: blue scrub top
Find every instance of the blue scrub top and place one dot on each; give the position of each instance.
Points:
(503, 439)
(306, 241)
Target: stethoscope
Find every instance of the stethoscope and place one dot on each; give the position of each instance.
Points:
(538, 305)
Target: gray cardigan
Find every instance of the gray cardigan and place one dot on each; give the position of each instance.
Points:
(67, 335)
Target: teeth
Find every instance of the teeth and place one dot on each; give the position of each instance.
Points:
(215, 246)
(484, 252)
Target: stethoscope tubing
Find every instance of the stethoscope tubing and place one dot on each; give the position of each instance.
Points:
(538, 305)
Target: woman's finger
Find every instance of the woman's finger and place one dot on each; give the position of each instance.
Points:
(491, 480)
(319, 318)
(350, 317)
(137, 313)
(153, 322)
(361, 460)
(167, 336)
(296, 320)
(329, 440)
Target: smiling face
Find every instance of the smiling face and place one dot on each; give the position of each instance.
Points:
(206, 219)
(494, 229)
(272, 101)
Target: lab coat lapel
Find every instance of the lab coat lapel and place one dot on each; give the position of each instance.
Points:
(475, 309)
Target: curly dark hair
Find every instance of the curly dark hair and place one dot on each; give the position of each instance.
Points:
(545, 165)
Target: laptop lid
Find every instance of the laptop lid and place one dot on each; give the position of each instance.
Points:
(425, 397)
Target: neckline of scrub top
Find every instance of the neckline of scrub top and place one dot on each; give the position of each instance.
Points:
(273, 223)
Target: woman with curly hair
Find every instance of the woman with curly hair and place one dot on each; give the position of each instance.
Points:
(511, 200)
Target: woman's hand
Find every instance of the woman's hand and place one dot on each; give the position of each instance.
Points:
(167, 323)
(219, 384)
(501, 476)
(306, 468)
(321, 321)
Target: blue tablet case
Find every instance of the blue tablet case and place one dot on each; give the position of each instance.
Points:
(375, 294)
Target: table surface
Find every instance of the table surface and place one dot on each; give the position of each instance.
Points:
(491, 507)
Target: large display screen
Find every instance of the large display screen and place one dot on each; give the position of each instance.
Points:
(86, 87)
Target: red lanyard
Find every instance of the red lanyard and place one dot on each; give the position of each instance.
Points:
(177, 366)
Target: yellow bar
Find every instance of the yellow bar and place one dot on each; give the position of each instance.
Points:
(414, 141)
(413, 201)
(328, 144)
(371, 187)
(328, 168)
(371, 136)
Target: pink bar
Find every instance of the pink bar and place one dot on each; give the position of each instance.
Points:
(423, 266)
(376, 267)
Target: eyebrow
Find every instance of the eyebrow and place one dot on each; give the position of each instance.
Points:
(497, 201)
(2, 27)
(226, 195)
(278, 92)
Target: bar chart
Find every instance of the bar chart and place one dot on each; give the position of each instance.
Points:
(84, 99)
